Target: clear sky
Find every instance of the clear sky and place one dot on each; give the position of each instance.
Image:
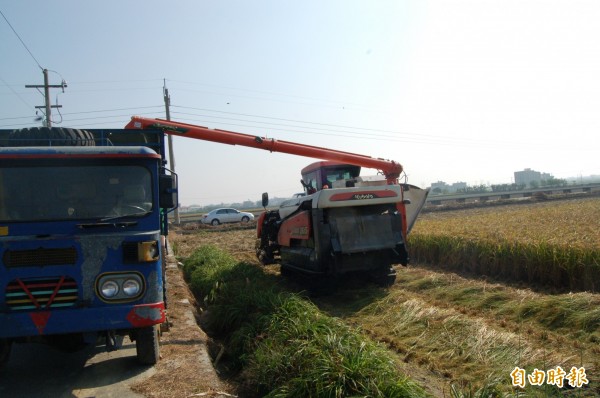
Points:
(454, 90)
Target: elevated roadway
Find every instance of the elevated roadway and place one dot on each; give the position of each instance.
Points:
(435, 200)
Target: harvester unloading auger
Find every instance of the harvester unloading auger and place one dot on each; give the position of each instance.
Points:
(343, 223)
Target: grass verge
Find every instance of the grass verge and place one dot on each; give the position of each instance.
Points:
(281, 343)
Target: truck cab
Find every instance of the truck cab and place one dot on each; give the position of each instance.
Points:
(81, 244)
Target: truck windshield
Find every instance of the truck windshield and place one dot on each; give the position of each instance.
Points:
(65, 193)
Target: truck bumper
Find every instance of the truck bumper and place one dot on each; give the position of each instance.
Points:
(80, 320)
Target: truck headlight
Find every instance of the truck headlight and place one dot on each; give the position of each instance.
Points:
(131, 287)
(120, 286)
(109, 289)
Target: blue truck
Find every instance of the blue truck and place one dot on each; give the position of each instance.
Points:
(83, 221)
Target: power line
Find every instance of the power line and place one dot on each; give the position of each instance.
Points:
(117, 118)
(114, 110)
(266, 93)
(21, 40)
(343, 130)
(276, 100)
(48, 107)
(128, 115)
(116, 81)
(96, 111)
(353, 135)
(325, 129)
(15, 93)
(337, 126)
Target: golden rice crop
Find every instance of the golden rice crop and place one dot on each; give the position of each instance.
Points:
(573, 223)
(550, 243)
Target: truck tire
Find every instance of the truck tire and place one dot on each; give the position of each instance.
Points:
(147, 346)
(53, 136)
(5, 347)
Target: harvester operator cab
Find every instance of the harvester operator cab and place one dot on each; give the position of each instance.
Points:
(327, 174)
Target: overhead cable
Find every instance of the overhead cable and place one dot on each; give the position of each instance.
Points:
(21, 40)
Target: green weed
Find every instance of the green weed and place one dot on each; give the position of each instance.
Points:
(282, 343)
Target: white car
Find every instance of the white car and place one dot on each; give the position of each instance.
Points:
(220, 216)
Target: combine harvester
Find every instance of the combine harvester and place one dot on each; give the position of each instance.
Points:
(344, 223)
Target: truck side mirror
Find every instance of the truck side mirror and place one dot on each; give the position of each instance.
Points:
(265, 199)
(168, 194)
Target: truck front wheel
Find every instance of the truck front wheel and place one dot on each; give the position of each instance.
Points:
(146, 345)
(5, 347)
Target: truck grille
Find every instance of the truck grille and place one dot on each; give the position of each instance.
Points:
(41, 293)
(40, 257)
(130, 252)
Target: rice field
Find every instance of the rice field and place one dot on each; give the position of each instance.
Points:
(455, 335)
(554, 244)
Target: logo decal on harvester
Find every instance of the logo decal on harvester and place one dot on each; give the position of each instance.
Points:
(361, 196)
(175, 129)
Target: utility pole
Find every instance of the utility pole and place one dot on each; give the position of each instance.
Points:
(167, 99)
(47, 87)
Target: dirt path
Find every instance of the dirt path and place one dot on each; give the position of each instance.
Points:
(185, 368)
(40, 371)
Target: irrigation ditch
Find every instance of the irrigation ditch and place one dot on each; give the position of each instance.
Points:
(437, 331)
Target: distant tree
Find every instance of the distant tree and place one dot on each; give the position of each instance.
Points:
(501, 188)
(481, 188)
(554, 182)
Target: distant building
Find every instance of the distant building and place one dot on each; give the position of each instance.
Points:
(442, 187)
(528, 176)
(439, 187)
(458, 186)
